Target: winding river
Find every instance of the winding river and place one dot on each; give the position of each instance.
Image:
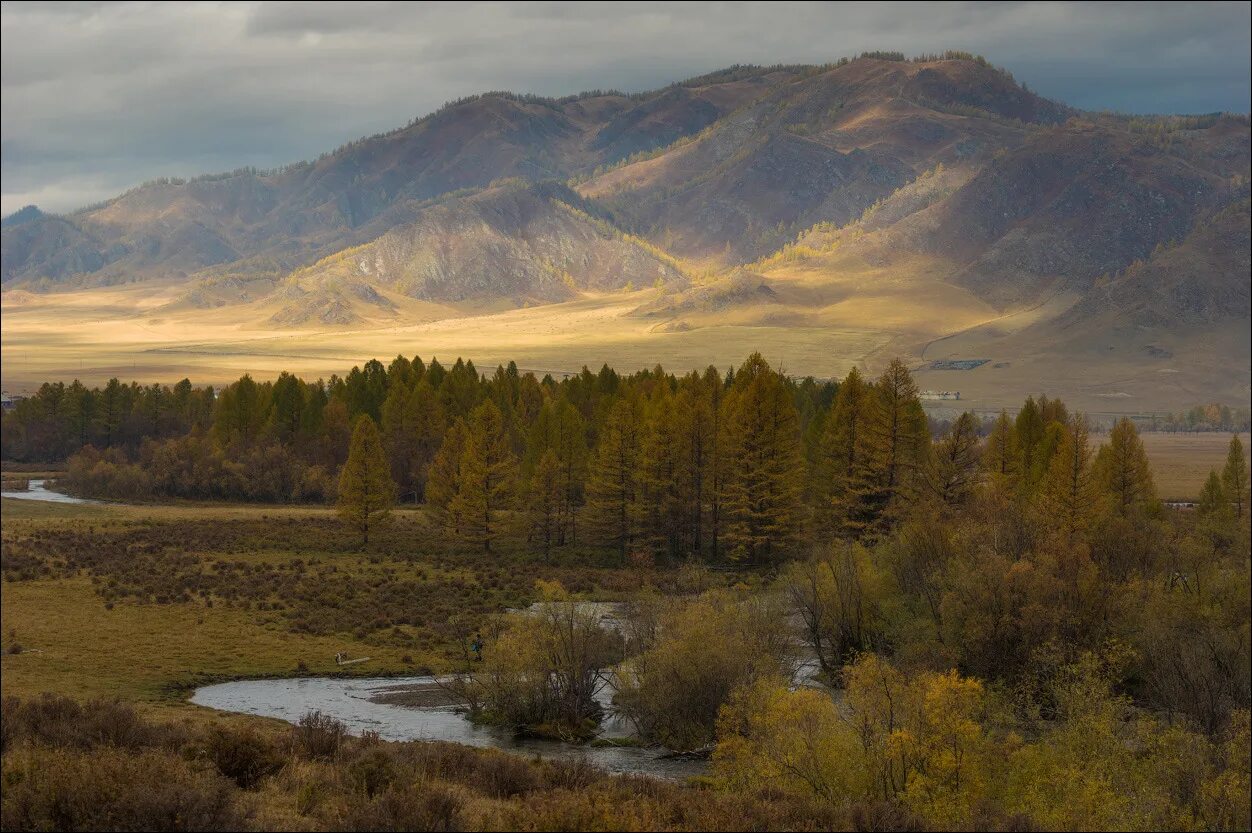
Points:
(360, 703)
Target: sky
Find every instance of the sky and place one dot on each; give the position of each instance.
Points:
(98, 97)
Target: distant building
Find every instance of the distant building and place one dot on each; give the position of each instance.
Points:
(939, 394)
(8, 402)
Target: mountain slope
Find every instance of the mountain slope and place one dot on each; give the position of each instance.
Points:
(273, 222)
(524, 243)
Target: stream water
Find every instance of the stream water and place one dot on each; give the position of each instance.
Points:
(353, 701)
(37, 491)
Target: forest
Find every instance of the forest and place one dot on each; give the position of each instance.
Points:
(1010, 630)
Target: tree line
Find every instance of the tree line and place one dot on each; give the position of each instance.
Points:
(750, 465)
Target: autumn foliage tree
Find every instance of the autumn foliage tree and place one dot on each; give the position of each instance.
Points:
(764, 512)
(366, 490)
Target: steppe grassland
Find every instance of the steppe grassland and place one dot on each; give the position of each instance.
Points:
(1182, 462)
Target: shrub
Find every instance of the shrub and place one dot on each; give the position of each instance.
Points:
(242, 755)
(61, 789)
(318, 736)
(58, 721)
(417, 806)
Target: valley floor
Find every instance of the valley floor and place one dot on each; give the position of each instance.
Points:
(140, 332)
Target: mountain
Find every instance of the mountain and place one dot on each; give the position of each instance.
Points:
(272, 222)
(932, 208)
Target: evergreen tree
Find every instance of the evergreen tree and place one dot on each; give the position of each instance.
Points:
(956, 461)
(426, 417)
(997, 456)
(1028, 431)
(664, 494)
(1122, 469)
(366, 491)
(1069, 490)
(544, 497)
(613, 487)
(1235, 478)
(487, 477)
(443, 479)
(896, 441)
(560, 428)
(694, 424)
(765, 479)
(841, 442)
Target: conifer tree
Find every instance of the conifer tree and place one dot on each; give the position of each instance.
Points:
(443, 479)
(714, 395)
(1213, 502)
(487, 477)
(956, 461)
(1235, 478)
(1069, 490)
(997, 456)
(424, 417)
(544, 497)
(896, 442)
(765, 478)
(1122, 469)
(399, 435)
(560, 428)
(663, 496)
(366, 490)
(841, 442)
(1028, 431)
(613, 487)
(695, 425)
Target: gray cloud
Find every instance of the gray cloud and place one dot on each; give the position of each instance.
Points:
(98, 97)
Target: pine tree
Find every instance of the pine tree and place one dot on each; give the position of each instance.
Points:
(841, 442)
(366, 490)
(1028, 431)
(1235, 478)
(695, 426)
(896, 440)
(1122, 469)
(1069, 490)
(544, 496)
(613, 487)
(425, 416)
(559, 427)
(487, 477)
(664, 495)
(1213, 502)
(443, 479)
(398, 433)
(765, 478)
(997, 456)
(956, 461)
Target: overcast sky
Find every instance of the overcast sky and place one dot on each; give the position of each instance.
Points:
(98, 97)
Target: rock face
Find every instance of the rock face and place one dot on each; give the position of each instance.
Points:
(522, 200)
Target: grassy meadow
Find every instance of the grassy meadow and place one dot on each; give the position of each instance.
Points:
(93, 620)
(1181, 462)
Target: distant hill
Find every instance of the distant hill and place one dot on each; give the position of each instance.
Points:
(927, 207)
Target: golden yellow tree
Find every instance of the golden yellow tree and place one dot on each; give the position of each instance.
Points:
(366, 490)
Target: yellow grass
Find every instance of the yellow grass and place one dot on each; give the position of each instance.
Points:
(146, 652)
(1182, 462)
(831, 313)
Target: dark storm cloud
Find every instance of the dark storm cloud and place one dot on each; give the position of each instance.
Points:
(97, 97)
